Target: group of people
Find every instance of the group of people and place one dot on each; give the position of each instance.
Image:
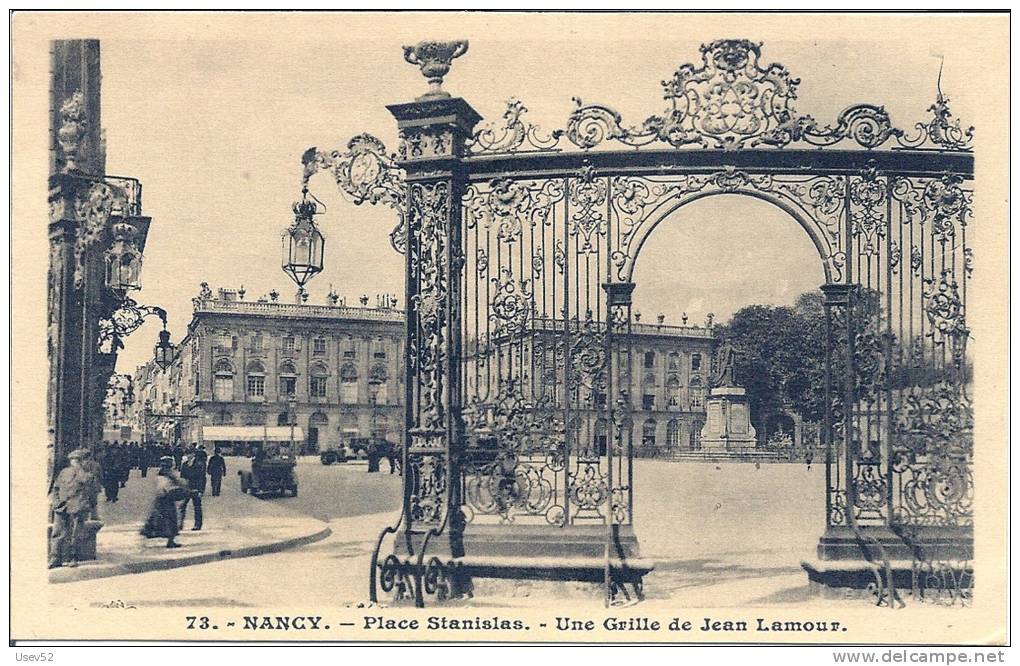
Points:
(74, 495)
(178, 485)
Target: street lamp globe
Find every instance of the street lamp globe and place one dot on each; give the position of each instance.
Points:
(303, 244)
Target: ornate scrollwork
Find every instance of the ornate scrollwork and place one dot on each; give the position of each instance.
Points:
(940, 130)
(94, 208)
(512, 136)
(945, 311)
(730, 101)
(364, 173)
(511, 307)
(588, 489)
(866, 124)
(428, 215)
(509, 205)
(587, 195)
(867, 212)
(428, 484)
(515, 452)
(588, 356)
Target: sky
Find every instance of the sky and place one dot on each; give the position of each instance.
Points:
(213, 122)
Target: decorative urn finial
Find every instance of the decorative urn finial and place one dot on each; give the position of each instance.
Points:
(434, 59)
(72, 129)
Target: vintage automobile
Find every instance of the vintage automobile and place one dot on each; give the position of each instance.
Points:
(272, 471)
(374, 449)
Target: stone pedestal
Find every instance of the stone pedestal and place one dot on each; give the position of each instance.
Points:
(728, 420)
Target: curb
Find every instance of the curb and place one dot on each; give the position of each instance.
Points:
(106, 571)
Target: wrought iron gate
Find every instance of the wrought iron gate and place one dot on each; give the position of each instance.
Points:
(520, 250)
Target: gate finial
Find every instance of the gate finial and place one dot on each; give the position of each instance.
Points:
(434, 59)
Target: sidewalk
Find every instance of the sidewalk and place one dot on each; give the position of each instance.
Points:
(234, 525)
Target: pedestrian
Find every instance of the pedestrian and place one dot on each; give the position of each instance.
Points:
(193, 472)
(144, 459)
(71, 503)
(162, 520)
(123, 463)
(217, 469)
(110, 474)
(178, 454)
(391, 456)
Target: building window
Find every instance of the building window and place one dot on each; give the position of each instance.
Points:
(349, 350)
(379, 350)
(348, 384)
(648, 433)
(649, 359)
(318, 387)
(319, 346)
(288, 386)
(288, 344)
(673, 433)
(256, 342)
(695, 362)
(223, 381)
(697, 394)
(674, 361)
(256, 386)
(377, 393)
(673, 392)
(648, 401)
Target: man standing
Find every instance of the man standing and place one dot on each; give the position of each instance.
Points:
(193, 471)
(71, 502)
(217, 470)
(110, 473)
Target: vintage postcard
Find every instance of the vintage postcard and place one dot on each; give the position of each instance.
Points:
(509, 327)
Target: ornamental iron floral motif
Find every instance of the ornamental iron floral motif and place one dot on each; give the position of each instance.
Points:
(731, 101)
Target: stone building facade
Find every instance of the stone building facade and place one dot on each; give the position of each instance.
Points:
(671, 367)
(243, 363)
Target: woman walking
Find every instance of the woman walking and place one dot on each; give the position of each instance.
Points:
(170, 489)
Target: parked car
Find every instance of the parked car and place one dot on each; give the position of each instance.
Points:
(272, 470)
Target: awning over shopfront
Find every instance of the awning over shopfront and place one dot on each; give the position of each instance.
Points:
(251, 434)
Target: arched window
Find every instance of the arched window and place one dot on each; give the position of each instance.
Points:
(673, 392)
(377, 385)
(648, 433)
(318, 380)
(223, 381)
(649, 359)
(288, 379)
(348, 384)
(673, 433)
(256, 385)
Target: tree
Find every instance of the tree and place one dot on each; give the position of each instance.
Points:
(780, 358)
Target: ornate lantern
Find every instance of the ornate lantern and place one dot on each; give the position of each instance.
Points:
(164, 351)
(123, 260)
(303, 243)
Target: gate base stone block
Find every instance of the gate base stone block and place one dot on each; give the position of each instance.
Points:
(543, 541)
(847, 567)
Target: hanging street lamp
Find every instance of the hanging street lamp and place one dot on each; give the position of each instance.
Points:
(302, 243)
(164, 350)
